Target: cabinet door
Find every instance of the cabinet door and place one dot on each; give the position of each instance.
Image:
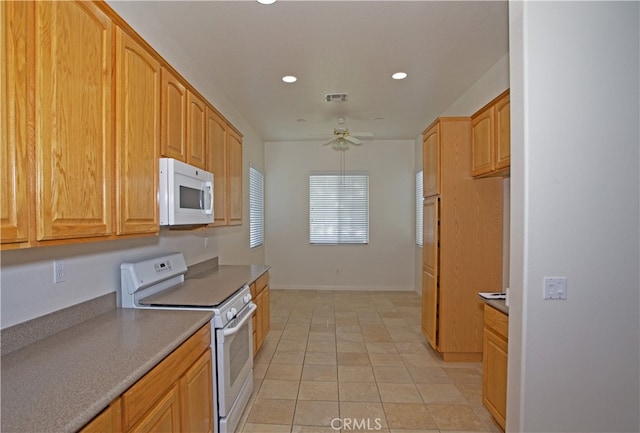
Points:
(216, 164)
(196, 115)
(482, 142)
(108, 421)
(137, 136)
(494, 378)
(14, 172)
(430, 269)
(503, 132)
(197, 393)
(164, 416)
(266, 312)
(259, 301)
(174, 117)
(431, 161)
(430, 234)
(235, 179)
(430, 307)
(73, 67)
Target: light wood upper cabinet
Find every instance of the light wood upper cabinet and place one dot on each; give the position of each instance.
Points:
(431, 161)
(503, 132)
(217, 164)
(137, 136)
(174, 117)
(87, 109)
(224, 160)
(491, 138)
(73, 139)
(14, 151)
(196, 131)
(234, 199)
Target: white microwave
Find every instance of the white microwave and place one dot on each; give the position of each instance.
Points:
(186, 194)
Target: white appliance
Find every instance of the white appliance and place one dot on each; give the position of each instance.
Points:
(159, 283)
(186, 194)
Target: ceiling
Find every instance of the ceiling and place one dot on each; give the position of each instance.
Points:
(350, 47)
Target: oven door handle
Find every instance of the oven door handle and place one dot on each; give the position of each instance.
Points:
(235, 329)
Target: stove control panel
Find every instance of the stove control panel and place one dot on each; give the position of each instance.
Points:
(145, 273)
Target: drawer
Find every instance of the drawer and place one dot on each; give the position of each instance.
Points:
(496, 321)
(144, 394)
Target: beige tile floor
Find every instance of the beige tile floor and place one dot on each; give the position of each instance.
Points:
(356, 361)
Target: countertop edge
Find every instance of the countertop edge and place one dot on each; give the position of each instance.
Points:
(498, 304)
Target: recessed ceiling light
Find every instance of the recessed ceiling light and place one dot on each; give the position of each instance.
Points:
(266, 2)
(289, 79)
(301, 120)
(378, 119)
(399, 76)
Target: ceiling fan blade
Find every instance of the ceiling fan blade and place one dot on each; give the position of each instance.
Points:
(326, 143)
(351, 139)
(362, 135)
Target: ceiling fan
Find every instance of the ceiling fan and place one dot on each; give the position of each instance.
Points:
(342, 138)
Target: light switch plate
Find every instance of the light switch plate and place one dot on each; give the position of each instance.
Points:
(555, 288)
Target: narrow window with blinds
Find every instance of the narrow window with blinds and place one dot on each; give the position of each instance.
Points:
(338, 208)
(256, 208)
(419, 209)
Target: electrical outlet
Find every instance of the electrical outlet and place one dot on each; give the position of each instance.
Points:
(59, 275)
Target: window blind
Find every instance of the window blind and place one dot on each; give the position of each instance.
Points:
(339, 208)
(419, 190)
(256, 208)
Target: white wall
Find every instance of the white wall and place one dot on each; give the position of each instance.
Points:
(387, 262)
(574, 364)
(26, 276)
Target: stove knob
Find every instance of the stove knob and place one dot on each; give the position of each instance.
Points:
(231, 314)
(246, 298)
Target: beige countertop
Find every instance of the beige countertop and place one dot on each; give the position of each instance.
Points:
(59, 383)
(498, 304)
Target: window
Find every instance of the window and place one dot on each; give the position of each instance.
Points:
(256, 208)
(419, 186)
(339, 208)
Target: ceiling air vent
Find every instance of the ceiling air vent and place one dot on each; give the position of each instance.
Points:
(336, 97)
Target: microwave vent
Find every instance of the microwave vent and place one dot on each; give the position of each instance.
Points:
(336, 97)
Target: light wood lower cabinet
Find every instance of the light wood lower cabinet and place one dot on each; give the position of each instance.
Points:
(109, 420)
(262, 317)
(175, 396)
(495, 355)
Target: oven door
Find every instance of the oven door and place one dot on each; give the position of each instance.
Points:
(234, 348)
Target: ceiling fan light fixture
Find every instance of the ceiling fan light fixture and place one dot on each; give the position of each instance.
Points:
(289, 79)
(399, 76)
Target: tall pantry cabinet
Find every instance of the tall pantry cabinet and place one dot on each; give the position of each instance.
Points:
(462, 245)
